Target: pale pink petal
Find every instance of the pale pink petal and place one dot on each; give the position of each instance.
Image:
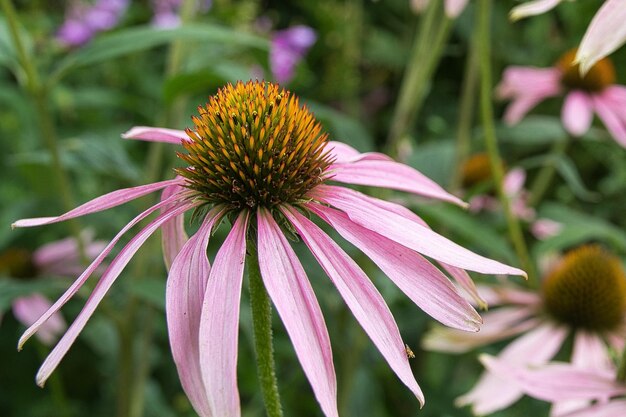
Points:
(78, 283)
(101, 203)
(173, 234)
(100, 290)
(466, 282)
(545, 228)
(514, 181)
(408, 233)
(497, 325)
(529, 81)
(341, 152)
(532, 8)
(62, 258)
(613, 408)
(28, 309)
(390, 174)
(590, 352)
(454, 8)
(360, 295)
(156, 134)
(520, 106)
(186, 284)
(424, 284)
(605, 34)
(419, 6)
(610, 116)
(577, 113)
(219, 323)
(289, 288)
(493, 392)
(556, 381)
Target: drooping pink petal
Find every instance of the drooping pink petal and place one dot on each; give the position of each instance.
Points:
(408, 233)
(424, 284)
(156, 134)
(219, 323)
(577, 113)
(28, 309)
(611, 117)
(101, 203)
(78, 283)
(544, 229)
(100, 290)
(497, 325)
(532, 8)
(529, 81)
(360, 295)
(62, 257)
(514, 181)
(494, 391)
(289, 288)
(173, 234)
(343, 153)
(605, 34)
(391, 174)
(186, 284)
(557, 381)
(454, 8)
(611, 409)
(590, 352)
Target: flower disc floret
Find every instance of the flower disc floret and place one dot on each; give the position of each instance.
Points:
(587, 289)
(600, 76)
(253, 145)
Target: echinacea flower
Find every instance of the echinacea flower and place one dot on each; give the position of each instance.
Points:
(453, 8)
(584, 294)
(56, 259)
(574, 391)
(595, 92)
(85, 21)
(288, 48)
(259, 159)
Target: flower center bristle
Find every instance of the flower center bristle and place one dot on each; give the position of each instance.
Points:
(254, 145)
(600, 76)
(587, 289)
(17, 263)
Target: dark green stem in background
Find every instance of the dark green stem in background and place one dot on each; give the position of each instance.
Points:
(426, 54)
(262, 324)
(621, 371)
(545, 176)
(491, 142)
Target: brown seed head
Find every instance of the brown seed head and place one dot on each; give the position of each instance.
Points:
(600, 76)
(587, 289)
(17, 263)
(254, 145)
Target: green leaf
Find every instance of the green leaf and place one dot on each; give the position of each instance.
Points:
(533, 130)
(471, 229)
(342, 127)
(124, 42)
(570, 174)
(151, 291)
(10, 289)
(436, 160)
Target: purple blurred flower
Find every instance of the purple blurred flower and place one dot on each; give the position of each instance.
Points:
(166, 12)
(288, 48)
(83, 21)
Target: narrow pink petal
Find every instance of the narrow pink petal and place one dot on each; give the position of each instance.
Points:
(613, 408)
(28, 309)
(186, 284)
(408, 233)
(556, 381)
(514, 181)
(101, 203)
(497, 325)
(108, 278)
(156, 134)
(529, 82)
(343, 153)
(391, 174)
(454, 8)
(493, 392)
(360, 295)
(466, 282)
(78, 283)
(219, 323)
(532, 8)
(605, 34)
(62, 258)
(289, 288)
(577, 113)
(424, 284)
(610, 117)
(173, 234)
(520, 106)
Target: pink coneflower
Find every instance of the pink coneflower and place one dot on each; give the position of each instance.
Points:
(84, 21)
(583, 294)
(584, 95)
(574, 390)
(260, 160)
(55, 259)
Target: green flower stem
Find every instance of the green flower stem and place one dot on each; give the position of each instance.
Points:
(466, 113)
(45, 120)
(57, 391)
(545, 176)
(621, 371)
(262, 324)
(486, 110)
(426, 54)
